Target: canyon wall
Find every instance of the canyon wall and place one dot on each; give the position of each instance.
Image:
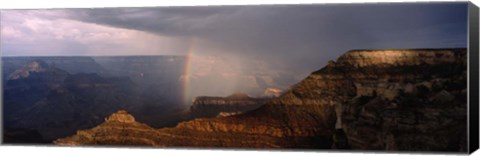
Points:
(406, 100)
(368, 99)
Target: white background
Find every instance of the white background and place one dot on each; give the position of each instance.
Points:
(74, 151)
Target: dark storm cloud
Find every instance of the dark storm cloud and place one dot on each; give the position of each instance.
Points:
(280, 43)
(306, 35)
(165, 21)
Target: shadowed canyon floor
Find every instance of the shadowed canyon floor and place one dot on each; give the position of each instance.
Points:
(399, 99)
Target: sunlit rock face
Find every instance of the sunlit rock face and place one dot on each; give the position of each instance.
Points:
(121, 116)
(120, 128)
(364, 58)
(369, 100)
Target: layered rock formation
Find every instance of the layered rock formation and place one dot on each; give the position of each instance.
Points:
(406, 100)
(236, 103)
(32, 67)
(367, 99)
(53, 103)
(119, 128)
(29, 84)
(55, 96)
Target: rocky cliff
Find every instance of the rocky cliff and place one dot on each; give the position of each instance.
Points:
(53, 103)
(368, 99)
(41, 98)
(120, 128)
(406, 100)
(32, 67)
(205, 106)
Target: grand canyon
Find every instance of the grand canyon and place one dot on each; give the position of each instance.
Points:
(369, 77)
(50, 97)
(391, 99)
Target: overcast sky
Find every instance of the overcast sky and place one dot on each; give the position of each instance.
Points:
(294, 36)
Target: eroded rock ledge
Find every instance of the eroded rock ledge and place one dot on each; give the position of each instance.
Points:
(205, 106)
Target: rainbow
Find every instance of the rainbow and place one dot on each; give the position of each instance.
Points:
(187, 71)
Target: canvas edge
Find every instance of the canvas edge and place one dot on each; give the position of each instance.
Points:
(473, 78)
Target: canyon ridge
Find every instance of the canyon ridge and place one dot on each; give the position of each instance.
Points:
(389, 99)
